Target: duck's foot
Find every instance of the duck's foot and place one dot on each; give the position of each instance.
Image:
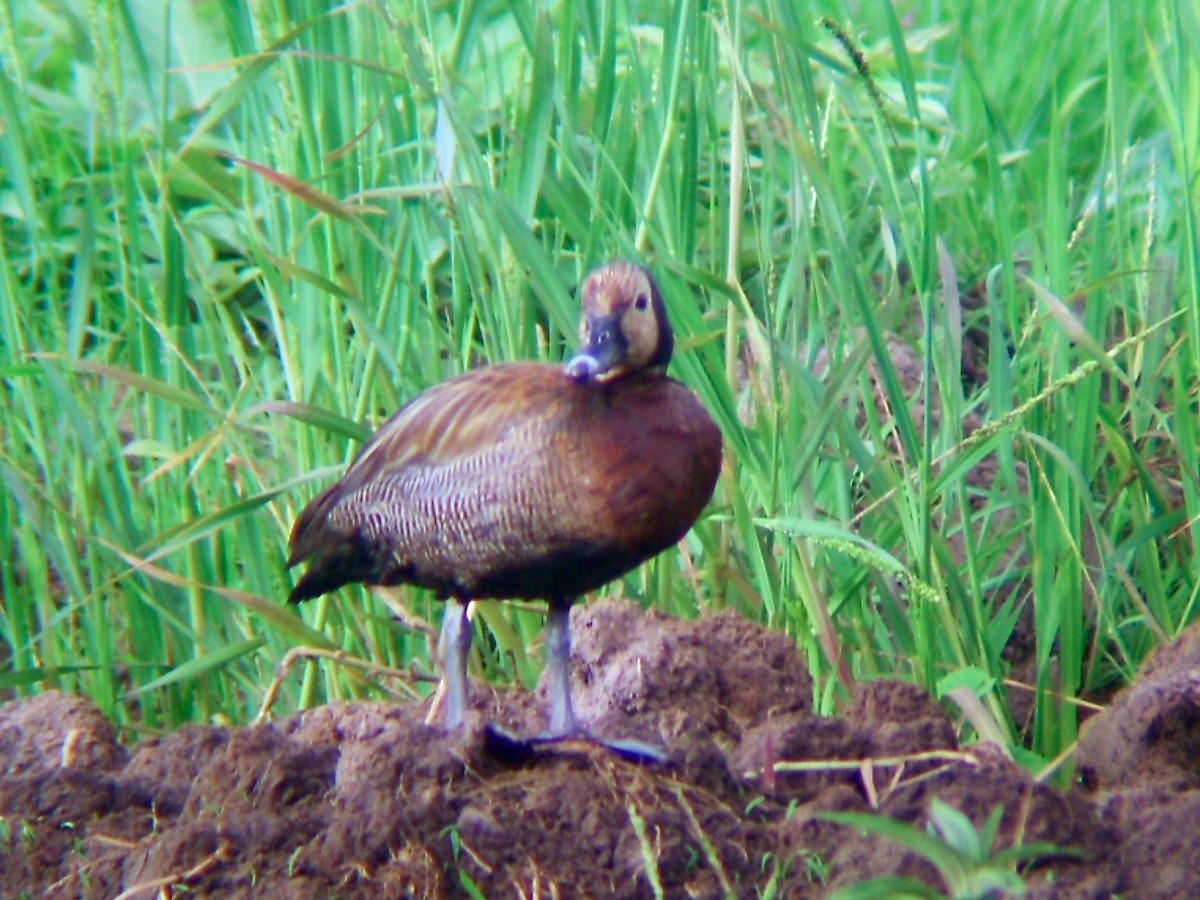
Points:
(504, 745)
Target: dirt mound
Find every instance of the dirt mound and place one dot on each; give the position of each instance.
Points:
(365, 800)
(1141, 760)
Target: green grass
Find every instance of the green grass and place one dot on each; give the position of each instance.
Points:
(233, 238)
(967, 858)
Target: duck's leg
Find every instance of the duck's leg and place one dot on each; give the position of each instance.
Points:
(564, 728)
(453, 649)
(558, 665)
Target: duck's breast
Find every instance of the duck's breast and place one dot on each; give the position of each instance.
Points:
(648, 463)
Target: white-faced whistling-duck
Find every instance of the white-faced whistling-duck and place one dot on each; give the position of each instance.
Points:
(525, 480)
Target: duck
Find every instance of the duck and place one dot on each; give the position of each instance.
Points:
(525, 480)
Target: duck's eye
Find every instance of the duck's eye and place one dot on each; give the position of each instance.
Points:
(642, 301)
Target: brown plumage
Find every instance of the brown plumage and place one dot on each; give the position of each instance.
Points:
(525, 480)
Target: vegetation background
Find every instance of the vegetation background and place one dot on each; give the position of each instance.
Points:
(234, 237)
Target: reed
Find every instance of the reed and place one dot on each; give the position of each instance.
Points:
(236, 237)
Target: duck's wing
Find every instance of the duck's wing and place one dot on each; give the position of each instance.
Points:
(440, 444)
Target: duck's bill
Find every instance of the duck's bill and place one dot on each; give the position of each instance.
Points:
(602, 356)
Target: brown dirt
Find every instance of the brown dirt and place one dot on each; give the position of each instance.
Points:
(364, 800)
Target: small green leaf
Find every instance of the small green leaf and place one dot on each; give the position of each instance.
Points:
(202, 665)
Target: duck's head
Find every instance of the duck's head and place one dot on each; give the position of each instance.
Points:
(624, 324)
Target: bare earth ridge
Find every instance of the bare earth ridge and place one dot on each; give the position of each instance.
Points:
(364, 800)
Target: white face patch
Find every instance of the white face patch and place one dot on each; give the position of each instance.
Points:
(639, 322)
(624, 327)
(623, 290)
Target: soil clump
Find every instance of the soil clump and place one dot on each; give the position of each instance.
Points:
(366, 800)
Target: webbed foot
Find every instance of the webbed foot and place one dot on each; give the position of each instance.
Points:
(504, 745)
